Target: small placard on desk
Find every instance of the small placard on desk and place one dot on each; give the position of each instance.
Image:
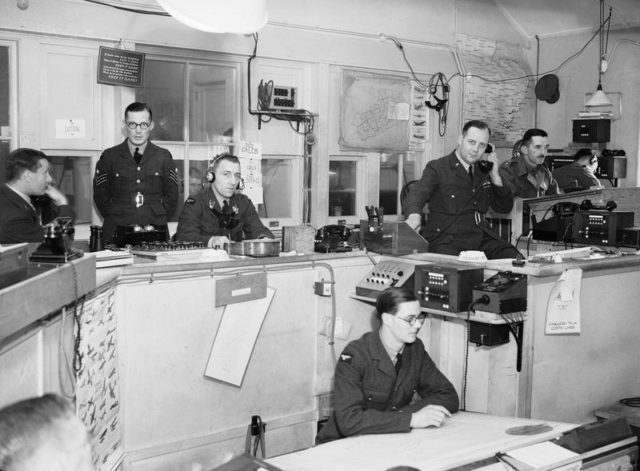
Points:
(112, 258)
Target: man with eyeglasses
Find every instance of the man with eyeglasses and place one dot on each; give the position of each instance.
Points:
(580, 174)
(220, 213)
(385, 382)
(136, 182)
(29, 199)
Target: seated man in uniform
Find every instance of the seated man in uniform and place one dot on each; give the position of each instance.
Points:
(526, 174)
(385, 382)
(219, 213)
(43, 434)
(580, 174)
(23, 206)
(460, 191)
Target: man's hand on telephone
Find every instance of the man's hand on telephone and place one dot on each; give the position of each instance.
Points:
(414, 221)
(494, 174)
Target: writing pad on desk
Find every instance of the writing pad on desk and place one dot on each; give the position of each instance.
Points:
(529, 429)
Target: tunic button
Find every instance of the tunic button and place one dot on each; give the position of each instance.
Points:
(137, 181)
(157, 174)
(138, 169)
(369, 398)
(453, 196)
(393, 408)
(475, 203)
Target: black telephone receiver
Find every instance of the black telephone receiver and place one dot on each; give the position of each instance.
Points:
(485, 166)
(333, 238)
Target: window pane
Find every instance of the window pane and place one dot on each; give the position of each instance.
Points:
(72, 176)
(391, 183)
(163, 91)
(211, 102)
(4, 86)
(342, 188)
(276, 186)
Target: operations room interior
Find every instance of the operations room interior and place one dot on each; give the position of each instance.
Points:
(187, 357)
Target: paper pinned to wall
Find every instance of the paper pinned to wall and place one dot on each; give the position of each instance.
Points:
(250, 155)
(236, 338)
(563, 309)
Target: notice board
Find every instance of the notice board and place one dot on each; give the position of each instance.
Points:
(120, 67)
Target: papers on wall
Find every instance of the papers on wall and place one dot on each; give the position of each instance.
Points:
(235, 339)
(563, 309)
(250, 155)
(97, 379)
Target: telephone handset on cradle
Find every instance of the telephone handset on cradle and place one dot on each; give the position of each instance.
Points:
(56, 248)
(332, 238)
(485, 166)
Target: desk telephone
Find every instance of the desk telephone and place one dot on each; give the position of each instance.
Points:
(56, 248)
(332, 238)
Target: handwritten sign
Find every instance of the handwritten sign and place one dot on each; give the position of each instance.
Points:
(120, 67)
(563, 309)
(70, 129)
(250, 155)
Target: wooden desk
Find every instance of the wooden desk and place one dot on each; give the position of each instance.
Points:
(466, 437)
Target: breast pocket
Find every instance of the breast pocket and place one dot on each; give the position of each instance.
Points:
(375, 399)
(153, 180)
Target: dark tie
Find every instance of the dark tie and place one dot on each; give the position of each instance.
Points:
(398, 362)
(471, 171)
(225, 207)
(137, 156)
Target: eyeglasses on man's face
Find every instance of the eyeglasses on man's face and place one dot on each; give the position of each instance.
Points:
(411, 320)
(143, 125)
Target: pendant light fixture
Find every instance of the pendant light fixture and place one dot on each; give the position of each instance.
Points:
(599, 98)
(219, 16)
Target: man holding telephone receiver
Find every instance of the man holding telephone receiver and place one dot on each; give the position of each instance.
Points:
(28, 199)
(460, 188)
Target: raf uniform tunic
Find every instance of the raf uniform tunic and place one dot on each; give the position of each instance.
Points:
(20, 222)
(575, 176)
(523, 183)
(370, 397)
(199, 222)
(119, 181)
(457, 205)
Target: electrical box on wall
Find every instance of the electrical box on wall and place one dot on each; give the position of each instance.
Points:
(283, 98)
(591, 130)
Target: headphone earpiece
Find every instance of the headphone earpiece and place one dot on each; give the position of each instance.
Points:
(439, 103)
(210, 175)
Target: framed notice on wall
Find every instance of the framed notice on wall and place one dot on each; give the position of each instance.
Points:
(120, 67)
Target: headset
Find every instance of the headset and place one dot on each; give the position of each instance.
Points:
(586, 205)
(210, 176)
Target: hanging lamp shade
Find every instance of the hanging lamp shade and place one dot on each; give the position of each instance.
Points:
(599, 98)
(219, 16)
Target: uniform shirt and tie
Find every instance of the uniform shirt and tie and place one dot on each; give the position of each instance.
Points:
(203, 217)
(377, 391)
(135, 185)
(459, 195)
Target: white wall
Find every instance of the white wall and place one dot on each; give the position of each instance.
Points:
(580, 76)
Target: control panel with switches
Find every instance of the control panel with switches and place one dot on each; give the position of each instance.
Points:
(385, 274)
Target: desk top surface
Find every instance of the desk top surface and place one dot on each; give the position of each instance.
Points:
(466, 437)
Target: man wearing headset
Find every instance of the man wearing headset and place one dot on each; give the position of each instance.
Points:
(219, 213)
(580, 174)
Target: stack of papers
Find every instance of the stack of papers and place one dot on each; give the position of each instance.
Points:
(112, 258)
(542, 456)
